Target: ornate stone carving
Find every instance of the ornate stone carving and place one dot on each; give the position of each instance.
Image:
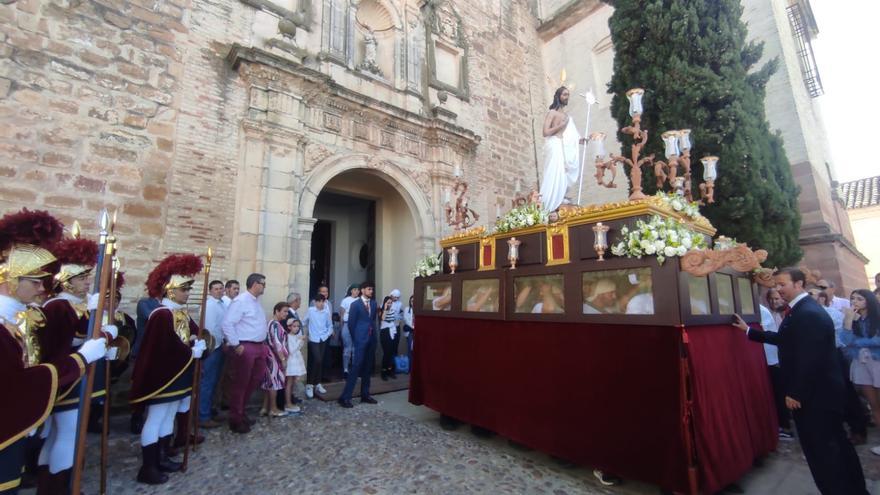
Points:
(315, 154)
(332, 122)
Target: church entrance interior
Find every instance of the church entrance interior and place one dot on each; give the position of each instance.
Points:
(342, 253)
(364, 230)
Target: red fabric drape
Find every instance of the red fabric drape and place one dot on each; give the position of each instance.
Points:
(734, 414)
(599, 395)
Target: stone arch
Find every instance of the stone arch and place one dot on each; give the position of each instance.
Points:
(419, 205)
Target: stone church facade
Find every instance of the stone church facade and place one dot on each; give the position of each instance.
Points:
(222, 122)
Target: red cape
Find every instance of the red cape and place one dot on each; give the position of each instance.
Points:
(163, 356)
(56, 337)
(29, 392)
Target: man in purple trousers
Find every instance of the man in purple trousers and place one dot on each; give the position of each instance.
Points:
(244, 327)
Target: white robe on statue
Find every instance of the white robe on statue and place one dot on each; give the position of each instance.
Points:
(560, 166)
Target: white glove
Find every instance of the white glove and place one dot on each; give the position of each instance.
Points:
(112, 354)
(93, 302)
(111, 329)
(199, 348)
(76, 342)
(93, 349)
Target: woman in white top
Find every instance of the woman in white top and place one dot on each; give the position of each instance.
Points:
(347, 345)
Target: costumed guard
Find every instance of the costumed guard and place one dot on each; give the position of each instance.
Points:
(67, 325)
(29, 381)
(162, 379)
(127, 330)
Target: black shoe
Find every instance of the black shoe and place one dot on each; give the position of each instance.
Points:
(384, 376)
(249, 421)
(369, 400)
(346, 403)
(393, 375)
(294, 400)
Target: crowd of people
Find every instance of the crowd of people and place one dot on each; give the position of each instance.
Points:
(823, 357)
(48, 308)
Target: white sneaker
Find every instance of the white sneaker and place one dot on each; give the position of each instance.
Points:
(310, 391)
(293, 409)
(320, 388)
(875, 450)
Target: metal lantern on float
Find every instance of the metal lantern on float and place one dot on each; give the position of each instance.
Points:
(670, 140)
(684, 139)
(601, 239)
(710, 168)
(453, 258)
(635, 101)
(513, 251)
(597, 140)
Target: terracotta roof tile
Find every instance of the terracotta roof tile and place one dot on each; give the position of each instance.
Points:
(861, 193)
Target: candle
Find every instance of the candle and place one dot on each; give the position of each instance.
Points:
(497, 210)
(518, 188)
(670, 139)
(635, 101)
(445, 195)
(456, 171)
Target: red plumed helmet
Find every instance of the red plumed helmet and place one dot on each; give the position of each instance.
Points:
(38, 228)
(174, 272)
(76, 252)
(120, 280)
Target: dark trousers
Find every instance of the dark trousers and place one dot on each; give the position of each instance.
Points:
(833, 461)
(855, 414)
(315, 365)
(361, 367)
(12, 459)
(389, 349)
(782, 411)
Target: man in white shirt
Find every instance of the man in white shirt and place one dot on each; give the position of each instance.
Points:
(827, 286)
(232, 289)
(347, 346)
(213, 363)
(245, 329)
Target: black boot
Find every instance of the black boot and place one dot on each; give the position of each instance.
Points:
(149, 472)
(166, 464)
(384, 375)
(44, 486)
(59, 483)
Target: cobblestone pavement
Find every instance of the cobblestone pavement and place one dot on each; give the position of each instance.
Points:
(396, 448)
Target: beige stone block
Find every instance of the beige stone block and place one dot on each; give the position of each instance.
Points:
(276, 224)
(249, 221)
(279, 200)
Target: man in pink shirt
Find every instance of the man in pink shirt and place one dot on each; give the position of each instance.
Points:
(244, 327)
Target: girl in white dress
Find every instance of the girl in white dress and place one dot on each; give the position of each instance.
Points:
(296, 366)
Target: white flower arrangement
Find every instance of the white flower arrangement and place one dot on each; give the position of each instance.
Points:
(428, 266)
(680, 204)
(723, 243)
(520, 217)
(661, 237)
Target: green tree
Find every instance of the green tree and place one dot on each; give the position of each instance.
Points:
(692, 59)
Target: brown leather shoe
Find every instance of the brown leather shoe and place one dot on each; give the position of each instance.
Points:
(211, 423)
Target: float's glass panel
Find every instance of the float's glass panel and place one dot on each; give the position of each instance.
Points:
(745, 296)
(725, 293)
(480, 296)
(698, 288)
(541, 294)
(438, 296)
(629, 291)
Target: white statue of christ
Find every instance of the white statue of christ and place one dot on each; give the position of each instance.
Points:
(561, 139)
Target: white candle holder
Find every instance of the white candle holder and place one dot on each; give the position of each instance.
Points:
(670, 139)
(684, 139)
(635, 101)
(453, 258)
(513, 251)
(601, 239)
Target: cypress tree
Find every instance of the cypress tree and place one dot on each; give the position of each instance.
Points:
(692, 59)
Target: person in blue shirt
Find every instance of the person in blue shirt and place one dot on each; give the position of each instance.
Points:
(861, 338)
